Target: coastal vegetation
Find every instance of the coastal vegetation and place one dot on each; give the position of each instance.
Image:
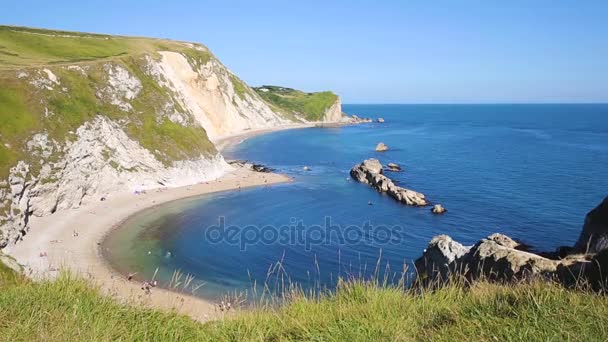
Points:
(310, 106)
(70, 308)
(64, 90)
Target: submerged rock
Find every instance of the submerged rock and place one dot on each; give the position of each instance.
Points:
(370, 172)
(438, 209)
(381, 147)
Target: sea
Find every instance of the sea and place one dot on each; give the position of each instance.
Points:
(530, 171)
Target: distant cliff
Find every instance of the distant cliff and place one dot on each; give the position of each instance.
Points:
(323, 106)
(86, 115)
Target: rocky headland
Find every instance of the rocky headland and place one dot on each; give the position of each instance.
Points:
(152, 116)
(500, 258)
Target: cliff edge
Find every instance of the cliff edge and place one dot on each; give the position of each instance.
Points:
(83, 116)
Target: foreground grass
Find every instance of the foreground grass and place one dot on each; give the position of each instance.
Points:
(70, 309)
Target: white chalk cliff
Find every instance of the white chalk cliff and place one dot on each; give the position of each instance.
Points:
(140, 103)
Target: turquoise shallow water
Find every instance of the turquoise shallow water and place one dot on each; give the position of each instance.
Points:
(529, 171)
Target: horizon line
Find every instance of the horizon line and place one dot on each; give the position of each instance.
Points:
(471, 103)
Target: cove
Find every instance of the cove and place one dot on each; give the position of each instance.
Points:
(514, 169)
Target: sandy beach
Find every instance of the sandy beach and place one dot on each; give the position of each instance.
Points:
(70, 239)
(222, 143)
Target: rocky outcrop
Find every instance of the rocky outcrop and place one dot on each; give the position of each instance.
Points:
(381, 147)
(594, 236)
(496, 258)
(500, 258)
(355, 119)
(440, 259)
(370, 172)
(251, 166)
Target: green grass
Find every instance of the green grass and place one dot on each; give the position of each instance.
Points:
(26, 47)
(239, 87)
(71, 309)
(26, 109)
(311, 106)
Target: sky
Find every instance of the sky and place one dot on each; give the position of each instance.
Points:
(515, 51)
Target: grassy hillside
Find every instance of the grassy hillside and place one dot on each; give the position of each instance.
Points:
(27, 47)
(26, 109)
(70, 309)
(310, 106)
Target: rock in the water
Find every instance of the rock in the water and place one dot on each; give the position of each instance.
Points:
(381, 147)
(438, 209)
(370, 172)
(380, 120)
(354, 119)
(393, 167)
(594, 236)
(250, 166)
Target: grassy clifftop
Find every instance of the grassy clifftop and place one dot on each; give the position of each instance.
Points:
(30, 47)
(70, 309)
(311, 106)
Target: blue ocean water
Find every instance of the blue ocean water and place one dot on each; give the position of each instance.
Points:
(529, 171)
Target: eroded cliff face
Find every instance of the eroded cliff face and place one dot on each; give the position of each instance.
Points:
(123, 114)
(127, 124)
(334, 113)
(217, 100)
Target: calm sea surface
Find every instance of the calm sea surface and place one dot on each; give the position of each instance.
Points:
(529, 171)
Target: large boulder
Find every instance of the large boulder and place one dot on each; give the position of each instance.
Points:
(594, 236)
(440, 259)
(407, 196)
(368, 168)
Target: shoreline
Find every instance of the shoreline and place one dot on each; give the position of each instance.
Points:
(226, 141)
(71, 240)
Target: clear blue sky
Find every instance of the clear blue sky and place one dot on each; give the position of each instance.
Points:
(373, 51)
